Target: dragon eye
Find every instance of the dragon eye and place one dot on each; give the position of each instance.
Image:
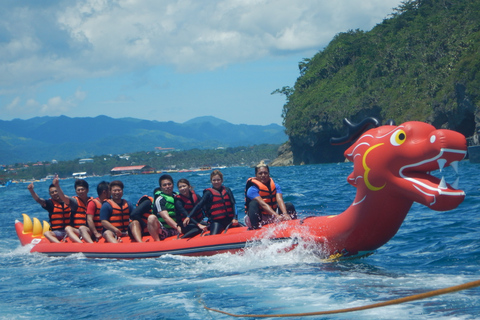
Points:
(398, 137)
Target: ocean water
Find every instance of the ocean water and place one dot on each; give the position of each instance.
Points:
(432, 250)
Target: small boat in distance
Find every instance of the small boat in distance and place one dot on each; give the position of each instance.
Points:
(79, 175)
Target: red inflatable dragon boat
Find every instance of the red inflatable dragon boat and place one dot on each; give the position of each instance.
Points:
(391, 171)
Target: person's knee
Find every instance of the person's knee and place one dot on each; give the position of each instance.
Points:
(152, 220)
(253, 207)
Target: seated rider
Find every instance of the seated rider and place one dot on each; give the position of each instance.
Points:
(264, 200)
(115, 214)
(139, 218)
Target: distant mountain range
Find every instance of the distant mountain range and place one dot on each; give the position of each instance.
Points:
(64, 138)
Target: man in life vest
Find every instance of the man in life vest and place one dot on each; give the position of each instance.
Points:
(264, 200)
(78, 208)
(115, 214)
(58, 213)
(94, 224)
(139, 218)
(163, 223)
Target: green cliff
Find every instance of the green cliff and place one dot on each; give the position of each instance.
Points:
(421, 63)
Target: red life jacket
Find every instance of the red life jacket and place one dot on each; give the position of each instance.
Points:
(120, 215)
(96, 216)
(189, 203)
(222, 205)
(267, 192)
(60, 216)
(79, 218)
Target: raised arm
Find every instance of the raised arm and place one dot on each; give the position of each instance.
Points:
(35, 197)
(65, 199)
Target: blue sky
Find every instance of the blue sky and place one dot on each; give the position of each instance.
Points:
(165, 60)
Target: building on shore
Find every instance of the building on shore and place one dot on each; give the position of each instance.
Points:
(141, 169)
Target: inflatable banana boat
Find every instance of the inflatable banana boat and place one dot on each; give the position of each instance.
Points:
(392, 166)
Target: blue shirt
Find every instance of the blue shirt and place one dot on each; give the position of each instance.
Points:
(254, 192)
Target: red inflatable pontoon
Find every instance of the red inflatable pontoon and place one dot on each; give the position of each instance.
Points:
(391, 171)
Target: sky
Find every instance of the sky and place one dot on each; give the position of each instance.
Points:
(165, 60)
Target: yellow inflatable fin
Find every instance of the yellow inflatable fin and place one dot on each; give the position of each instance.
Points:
(37, 228)
(27, 224)
(46, 227)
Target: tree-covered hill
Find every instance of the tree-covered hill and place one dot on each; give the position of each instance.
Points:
(421, 63)
(64, 138)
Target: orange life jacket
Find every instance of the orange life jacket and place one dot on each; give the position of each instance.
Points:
(79, 217)
(60, 216)
(96, 216)
(222, 204)
(120, 215)
(267, 192)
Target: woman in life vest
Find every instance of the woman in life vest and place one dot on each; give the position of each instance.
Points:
(184, 202)
(218, 203)
(264, 200)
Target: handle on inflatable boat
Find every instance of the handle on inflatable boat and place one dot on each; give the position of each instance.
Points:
(354, 130)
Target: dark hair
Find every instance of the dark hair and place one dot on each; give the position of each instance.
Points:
(164, 177)
(216, 173)
(116, 183)
(81, 183)
(51, 186)
(183, 180)
(102, 186)
(261, 165)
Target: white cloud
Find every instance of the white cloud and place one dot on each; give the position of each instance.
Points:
(92, 38)
(54, 106)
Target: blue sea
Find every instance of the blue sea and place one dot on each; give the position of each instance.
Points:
(432, 250)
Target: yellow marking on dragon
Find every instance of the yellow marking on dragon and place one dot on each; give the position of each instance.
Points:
(367, 169)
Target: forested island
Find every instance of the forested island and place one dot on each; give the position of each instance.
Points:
(159, 161)
(421, 63)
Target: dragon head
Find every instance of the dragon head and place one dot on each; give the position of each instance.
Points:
(397, 160)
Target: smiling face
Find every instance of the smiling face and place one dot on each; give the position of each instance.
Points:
(217, 181)
(82, 192)
(116, 193)
(263, 175)
(54, 193)
(184, 189)
(166, 186)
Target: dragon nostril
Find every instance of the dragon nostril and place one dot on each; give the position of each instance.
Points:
(433, 138)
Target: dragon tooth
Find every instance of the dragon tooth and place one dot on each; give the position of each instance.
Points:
(443, 184)
(441, 163)
(454, 165)
(455, 184)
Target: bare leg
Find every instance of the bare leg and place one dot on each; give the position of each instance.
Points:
(51, 237)
(73, 234)
(110, 236)
(153, 227)
(136, 230)
(86, 234)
